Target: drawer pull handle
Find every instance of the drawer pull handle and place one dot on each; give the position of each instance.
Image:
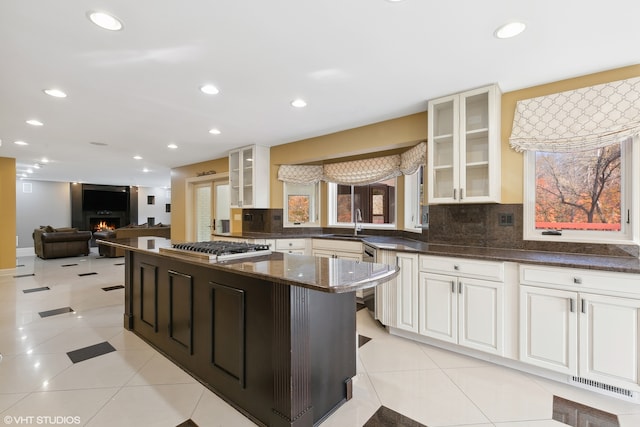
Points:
(577, 280)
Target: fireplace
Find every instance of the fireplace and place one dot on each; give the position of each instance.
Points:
(103, 207)
(102, 223)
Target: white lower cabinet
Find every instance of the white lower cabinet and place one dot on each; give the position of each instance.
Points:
(462, 311)
(549, 329)
(581, 323)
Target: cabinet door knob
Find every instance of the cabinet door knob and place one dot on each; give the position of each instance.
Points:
(455, 194)
(456, 267)
(461, 193)
(577, 280)
(571, 305)
(453, 287)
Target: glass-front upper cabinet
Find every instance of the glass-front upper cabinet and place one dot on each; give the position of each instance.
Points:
(249, 177)
(464, 147)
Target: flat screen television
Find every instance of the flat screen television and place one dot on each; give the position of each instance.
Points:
(101, 200)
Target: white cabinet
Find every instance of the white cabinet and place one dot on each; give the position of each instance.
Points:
(292, 246)
(249, 177)
(462, 309)
(337, 249)
(464, 147)
(581, 322)
(549, 329)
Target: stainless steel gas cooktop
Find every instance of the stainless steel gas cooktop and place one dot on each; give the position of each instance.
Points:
(219, 250)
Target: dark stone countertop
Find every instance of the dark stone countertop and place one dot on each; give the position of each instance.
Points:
(331, 275)
(558, 259)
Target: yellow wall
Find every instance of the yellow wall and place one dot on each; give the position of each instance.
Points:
(7, 213)
(512, 162)
(402, 132)
(179, 178)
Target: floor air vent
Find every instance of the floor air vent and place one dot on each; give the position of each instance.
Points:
(599, 387)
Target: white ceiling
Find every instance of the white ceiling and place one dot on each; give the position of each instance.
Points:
(355, 62)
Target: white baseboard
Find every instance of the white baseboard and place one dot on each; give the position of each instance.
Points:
(25, 251)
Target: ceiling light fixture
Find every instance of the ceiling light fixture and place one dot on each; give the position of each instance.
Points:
(105, 20)
(34, 122)
(44, 160)
(214, 132)
(509, 30)
(145, 170)
(137, 157)
(20, 143)
(56, 93)
(172, 146)
(209, 89)
(298, 103)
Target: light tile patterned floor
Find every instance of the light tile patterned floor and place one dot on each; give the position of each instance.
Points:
(137, 386)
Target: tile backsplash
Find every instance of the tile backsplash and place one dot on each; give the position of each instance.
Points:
(487, 225)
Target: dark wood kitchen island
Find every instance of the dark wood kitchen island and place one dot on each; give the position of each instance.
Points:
(273, 335)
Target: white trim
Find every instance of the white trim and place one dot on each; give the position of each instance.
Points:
(332, 221)
(20, 252)
(316, 207)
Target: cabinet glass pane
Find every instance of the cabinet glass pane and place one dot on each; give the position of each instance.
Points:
(443, 151)
(234, 178)
(477, 112)
(247, 195)
(443, 182)
(443, 119)
(477, 147)
(477, 181)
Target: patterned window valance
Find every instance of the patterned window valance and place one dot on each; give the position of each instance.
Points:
(412, 159)
(580, 119)
(362, 172)
(357, 172)
(300, 174)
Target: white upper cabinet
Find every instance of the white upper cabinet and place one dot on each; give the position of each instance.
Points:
(464, 147)
(249, 177)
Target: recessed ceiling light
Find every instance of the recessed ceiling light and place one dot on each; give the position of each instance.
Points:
(44, 160)
(172, 146)
(509, 30)
(105, 20)
(29, 170)
(137, 157)
(214, 132)
(298, 103)
(209, 89)
(34, 122)
(56, 93)
(20, 143)
(145, 170)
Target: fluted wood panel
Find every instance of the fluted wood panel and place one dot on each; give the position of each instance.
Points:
(291, 355)
(387, 293)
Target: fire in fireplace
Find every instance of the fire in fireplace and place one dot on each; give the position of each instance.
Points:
(104, 224)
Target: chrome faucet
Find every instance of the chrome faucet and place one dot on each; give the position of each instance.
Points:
(358, 217)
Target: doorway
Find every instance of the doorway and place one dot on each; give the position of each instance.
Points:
(208, 209)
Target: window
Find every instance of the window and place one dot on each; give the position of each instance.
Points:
(413, 197)
(377, 203)
(301, 205)
(580, 196)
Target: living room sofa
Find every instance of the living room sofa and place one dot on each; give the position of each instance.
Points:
(130, 231)
(63, 242)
